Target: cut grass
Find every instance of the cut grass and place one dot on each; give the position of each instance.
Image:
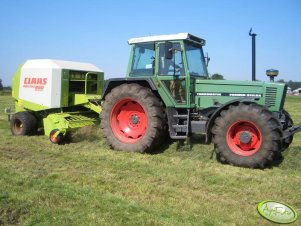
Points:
(85, 183)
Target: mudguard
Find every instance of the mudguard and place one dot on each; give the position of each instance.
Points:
(220, 109)
(111, 83)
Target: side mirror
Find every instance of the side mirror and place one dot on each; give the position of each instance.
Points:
(168, 50)
(207, 59)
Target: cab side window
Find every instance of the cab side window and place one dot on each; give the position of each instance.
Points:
(143, 59)
(172, 66)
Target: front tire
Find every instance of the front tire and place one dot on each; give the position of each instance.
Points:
(133, 119)
(247, 136)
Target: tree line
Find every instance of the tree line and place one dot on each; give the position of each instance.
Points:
(4, 87)
(292, 84)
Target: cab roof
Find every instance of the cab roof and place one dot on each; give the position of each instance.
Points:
(171, 37)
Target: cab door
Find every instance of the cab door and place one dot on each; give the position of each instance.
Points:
(170, 72)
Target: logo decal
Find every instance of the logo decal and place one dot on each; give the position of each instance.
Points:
(230, 94)
(277, 212)
(37, 84)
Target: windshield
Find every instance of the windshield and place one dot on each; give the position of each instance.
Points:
(196, 60)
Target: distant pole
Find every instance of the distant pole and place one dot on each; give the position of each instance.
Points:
(253, 54)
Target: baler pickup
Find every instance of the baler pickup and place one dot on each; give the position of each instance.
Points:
(56, 125)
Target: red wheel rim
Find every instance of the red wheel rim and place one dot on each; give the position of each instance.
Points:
(128, 120)
(244, 138)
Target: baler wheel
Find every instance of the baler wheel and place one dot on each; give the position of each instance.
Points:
(133, 119)
(23, 124)
(56, 139)
(247, 135)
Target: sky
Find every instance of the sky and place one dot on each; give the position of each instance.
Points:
(96, 31)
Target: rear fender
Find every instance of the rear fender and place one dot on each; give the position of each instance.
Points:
(112, 83)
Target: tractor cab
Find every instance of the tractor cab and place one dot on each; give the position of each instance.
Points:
(173, 62)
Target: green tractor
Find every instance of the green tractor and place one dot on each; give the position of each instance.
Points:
(167, 90)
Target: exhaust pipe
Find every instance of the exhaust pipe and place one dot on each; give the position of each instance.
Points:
(253, 54)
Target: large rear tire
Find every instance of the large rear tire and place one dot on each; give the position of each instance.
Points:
(247, 136)
(23, 124)
(133, 119)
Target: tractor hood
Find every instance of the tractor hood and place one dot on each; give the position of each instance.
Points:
(269, 94)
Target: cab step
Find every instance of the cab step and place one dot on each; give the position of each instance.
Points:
(178, 122)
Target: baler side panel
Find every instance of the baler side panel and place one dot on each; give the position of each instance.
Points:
(41, 86)
(65, 88)
(16, 83)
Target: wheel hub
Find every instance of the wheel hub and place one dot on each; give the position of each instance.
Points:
(135, 119)
(245, 137)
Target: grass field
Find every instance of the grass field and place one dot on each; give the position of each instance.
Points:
(86, 183)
